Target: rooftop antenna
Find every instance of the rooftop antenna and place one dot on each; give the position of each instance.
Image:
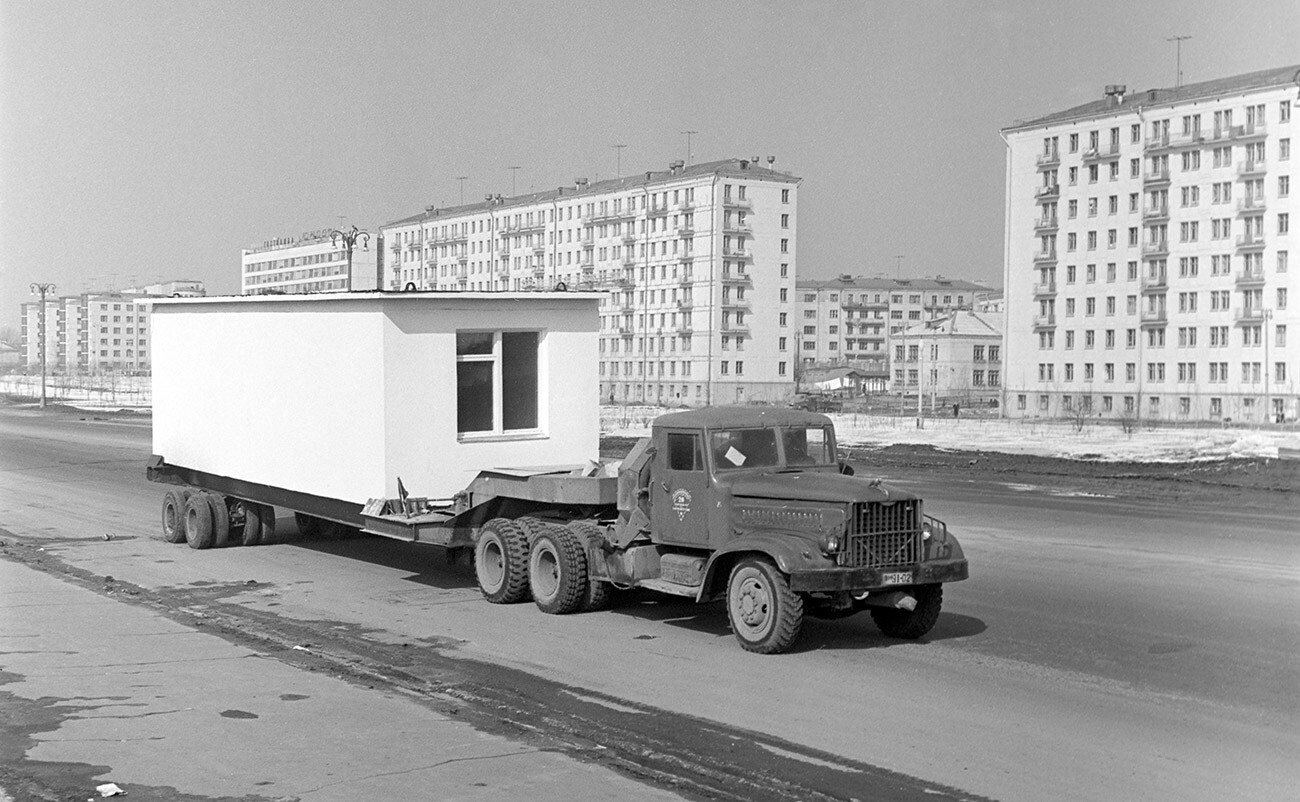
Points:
(689, 160)
(619, 150)
(461, 179)
(898, 266)
(1178, 41)
(514, 171)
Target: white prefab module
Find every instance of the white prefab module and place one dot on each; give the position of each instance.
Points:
(338, 396)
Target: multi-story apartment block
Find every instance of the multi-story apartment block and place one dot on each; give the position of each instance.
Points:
(957, 357)
(95, 332)
(854, 320)
(698, 264)
(315, 261)
(1148, 247)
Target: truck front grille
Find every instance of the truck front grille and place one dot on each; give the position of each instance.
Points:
(884, 535)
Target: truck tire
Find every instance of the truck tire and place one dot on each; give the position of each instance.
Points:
(173, 514)
(251, 534)
(501, 562)
(911, 624)
(764, 613)
(598, 592)
(557, 570)
(198, 521)
(220, 519)
(266, 513)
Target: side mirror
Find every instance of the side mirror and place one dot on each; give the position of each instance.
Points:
(846, 468)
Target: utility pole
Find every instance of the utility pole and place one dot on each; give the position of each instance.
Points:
(514, 171)
(1178, 41)
(689, 156)
(43, 289)
(619, 169)
(461, 179)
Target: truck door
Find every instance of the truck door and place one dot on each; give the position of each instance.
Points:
(680, 491)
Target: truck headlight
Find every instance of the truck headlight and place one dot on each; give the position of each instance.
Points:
(831, 543)
(927, 531)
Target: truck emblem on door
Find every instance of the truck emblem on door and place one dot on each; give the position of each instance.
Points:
(681, 503)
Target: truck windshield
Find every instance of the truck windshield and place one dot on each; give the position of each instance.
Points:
(757, 448)
(807, 445)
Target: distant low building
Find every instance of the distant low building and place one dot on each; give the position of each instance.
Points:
(314, 261)
(957, 358)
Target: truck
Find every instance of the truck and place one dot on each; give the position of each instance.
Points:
(750, 505)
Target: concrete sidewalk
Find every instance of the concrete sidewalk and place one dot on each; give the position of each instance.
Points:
(115, 692)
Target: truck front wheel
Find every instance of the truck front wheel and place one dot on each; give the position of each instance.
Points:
(764, 613)
(501, 562)
(911, 624)
(557, 570)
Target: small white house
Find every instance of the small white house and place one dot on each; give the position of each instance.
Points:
(339, 395)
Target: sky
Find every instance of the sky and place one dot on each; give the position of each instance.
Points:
(144, 141)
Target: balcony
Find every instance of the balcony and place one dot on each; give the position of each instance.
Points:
(1195, 139)
(1045, 257)
(1242, 132)
(1153, 250)
(737, 253)
(1250, 167)
(629, 239)
(1048, 192)
(686, 230)
(737, 278)
(1100, 153)
(1249, 314)
(587, 268)
(1249, 205)
(737, 228)
(628, 260)
(463, 258)
(1250, 242)
(1158, 175)
(1156, 143)
(1045, 224)
(735, 328)
(684, 328)
(686, 281)
(737, 203)
(1154, 317)
(657, 211)
(686, 206)
(1248, 278)
(685, 303)
(1046, 161)
(686, 258)
(1045, 321)
(1045, 288)
(1155, 213)
(1156, 283)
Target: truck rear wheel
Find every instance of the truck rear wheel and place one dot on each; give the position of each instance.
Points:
(220, 519)
(764, 613)
(198, 521)
(501, 562)
(597, 595)
(251, 534)
(173, 514)
(557, 570)
(911, 624)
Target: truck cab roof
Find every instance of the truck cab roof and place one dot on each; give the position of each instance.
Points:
(727, 417)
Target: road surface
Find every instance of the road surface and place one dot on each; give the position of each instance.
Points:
(1104, 648)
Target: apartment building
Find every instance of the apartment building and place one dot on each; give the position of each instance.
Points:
(95, 332)
(956, 358)
(697, 262)
(314, 261)
(1148, 247)
(854, 320)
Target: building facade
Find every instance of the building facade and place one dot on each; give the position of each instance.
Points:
(314, 261)
(1148, 247)
(698, 264)
(855, 320)
(96, 332)
(954, 359)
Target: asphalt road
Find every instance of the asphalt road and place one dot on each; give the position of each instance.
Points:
(1104, 648)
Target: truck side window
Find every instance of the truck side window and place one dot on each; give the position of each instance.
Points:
(684, 452)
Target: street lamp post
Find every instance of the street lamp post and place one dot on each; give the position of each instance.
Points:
(43, 289)
(349, 237)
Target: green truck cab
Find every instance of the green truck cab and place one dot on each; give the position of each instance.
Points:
(752, 505)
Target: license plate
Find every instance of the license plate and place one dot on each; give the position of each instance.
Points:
(896, 578)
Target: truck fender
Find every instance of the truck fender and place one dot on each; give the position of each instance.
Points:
(789, 551)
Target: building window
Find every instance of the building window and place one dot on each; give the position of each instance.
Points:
(496, 381)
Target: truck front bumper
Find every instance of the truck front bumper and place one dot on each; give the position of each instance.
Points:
(826, 580)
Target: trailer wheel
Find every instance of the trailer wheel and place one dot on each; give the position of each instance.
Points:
(911, 624)
(198, 521)
(764, 613)
(557, 570)
(251, 534)
(266, 514)
(173, 514)
(501, 562)
(220, 519)
(597, 594)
